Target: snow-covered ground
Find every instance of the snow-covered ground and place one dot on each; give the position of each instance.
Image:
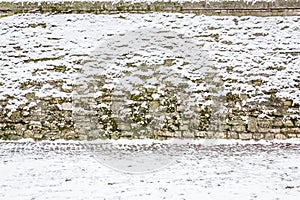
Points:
(228, 170)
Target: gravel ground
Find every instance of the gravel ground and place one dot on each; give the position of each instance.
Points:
(73, 170)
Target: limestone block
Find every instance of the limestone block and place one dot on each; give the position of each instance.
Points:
(179, 134)
(277, 122)
(200, 134)
(292, 135)
(66, 106)
(252, 124)
(124, 126)
(28, 134)
(263, 126)
(166, 133)
(220, 135)
(82, 137)
(287, 103)
(184, 127)
(188, 134)
(264, 123)
(38, 136)
(297, 123)
(280, 136)
(275, 130)
(245, 136)
(288, 123)
(257, 136)
(238, 128)
(269, 136)
(232, 135)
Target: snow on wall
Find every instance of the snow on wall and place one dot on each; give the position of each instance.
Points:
(257, 58)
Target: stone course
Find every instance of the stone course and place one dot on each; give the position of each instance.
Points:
(226, 7)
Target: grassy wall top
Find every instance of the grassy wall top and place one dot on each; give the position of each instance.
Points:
(230, 7)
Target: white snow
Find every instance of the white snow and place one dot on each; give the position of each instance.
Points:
(257, 171)
(257, 48)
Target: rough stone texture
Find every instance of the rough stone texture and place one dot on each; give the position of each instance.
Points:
(256, 56)
(238, 8)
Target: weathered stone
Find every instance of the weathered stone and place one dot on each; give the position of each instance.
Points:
(38, 136)
(200, 134)
(188, 134)
(232, 135)
(245, 136)
(264, 123)
(236, 122)
(179, 134)
(220, 135)
(257, 136)
(252, 124)
(28, 134)
(66, 106)
(288, 123)
(292, 135)
(56, 116)
(166, 133)
(184, 127)
(15, 137)
(238, 128)
(280, 136)
(82, 137)
(269, 136)
(297, 123)
(276, 130)
(277, 122)
(296, 130)
(124, 126)
(287, 103)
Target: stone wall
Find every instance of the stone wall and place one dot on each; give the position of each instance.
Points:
(237, 8)
(257, 59)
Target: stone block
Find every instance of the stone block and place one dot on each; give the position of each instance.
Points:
(264, 123)
(232, 135)
(292, 135)
(275, 130)
(290, 130)
(188, 134)
(238, 128)
(38, 136)
(297, 123)
(184, 127)
(124, 126)
(179, 134)
(245, 136)
(288, 123)
(263, 130)
(28, 134)
(280, 137)
(257, 136)
(252, 124)
(220, 135)
(287, 103)
(166, 134)
(66, 106)
(269, 136)
(294, 130)
(277, 122)
(200, 134)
